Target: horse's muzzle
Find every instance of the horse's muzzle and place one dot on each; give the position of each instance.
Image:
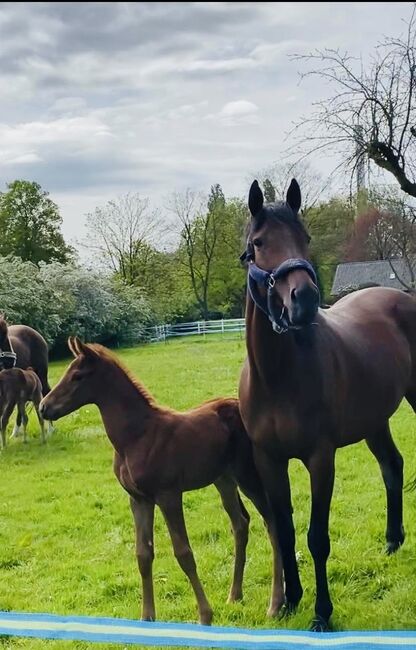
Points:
(46, 411)
(304, 304)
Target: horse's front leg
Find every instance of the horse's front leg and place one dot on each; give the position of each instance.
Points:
(143, 514)
(321, 469)
(275, 478)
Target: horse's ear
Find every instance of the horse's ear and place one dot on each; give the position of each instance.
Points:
(255, 199)
(3, 325)
(293, 196)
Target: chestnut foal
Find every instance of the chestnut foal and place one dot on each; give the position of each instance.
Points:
(17, 387)
(159, 454)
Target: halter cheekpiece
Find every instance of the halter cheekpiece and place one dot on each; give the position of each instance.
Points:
(267, 279)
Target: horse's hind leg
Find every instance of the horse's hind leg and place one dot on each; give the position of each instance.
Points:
(172, 510)
(411, 398)
(391, 465)
(240, 519)
(143, 514)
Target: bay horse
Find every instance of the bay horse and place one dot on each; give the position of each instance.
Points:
(161, 453)
(22, 347)
(315, 380)
(17, 387)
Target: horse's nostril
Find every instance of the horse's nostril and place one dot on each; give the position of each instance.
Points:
(293, 295)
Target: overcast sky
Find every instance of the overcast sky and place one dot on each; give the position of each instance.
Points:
(99, 99)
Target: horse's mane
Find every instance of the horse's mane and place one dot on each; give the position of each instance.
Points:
(104, 353)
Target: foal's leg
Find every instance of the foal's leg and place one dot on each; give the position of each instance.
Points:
(275, 479)
(250, 484)
(239, 518)
(16, 429)
(36, 401)
(171, 507)
(143, 514)
(391, 465)
(21, 410)
(5, 417)
(321, 468)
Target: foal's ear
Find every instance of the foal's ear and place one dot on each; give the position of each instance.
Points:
(71, 345)
(293, 196)
(83, 349)
(255, 198)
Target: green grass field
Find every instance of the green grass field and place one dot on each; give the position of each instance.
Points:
(66, 534)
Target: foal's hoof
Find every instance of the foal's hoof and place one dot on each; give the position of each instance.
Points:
(275, 607)
(206, 617)
(287, 609)
(235, 596)
(320, 624)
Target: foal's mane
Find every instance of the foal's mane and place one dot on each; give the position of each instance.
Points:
(105, 354)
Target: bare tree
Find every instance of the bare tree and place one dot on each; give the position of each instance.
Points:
(279, 176)
(120, 234)
(371, 111)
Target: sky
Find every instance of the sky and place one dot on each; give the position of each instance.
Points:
(99, 99)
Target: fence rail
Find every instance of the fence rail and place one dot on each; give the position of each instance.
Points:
(200, 327)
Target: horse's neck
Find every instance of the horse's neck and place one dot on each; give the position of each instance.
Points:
(271, 355)
(124, 409)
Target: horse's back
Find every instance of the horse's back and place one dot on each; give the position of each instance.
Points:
(31, 350)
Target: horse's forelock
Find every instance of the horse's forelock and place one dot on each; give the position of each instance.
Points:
(3, 326)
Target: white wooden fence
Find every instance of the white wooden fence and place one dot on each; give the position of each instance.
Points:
(200, 327)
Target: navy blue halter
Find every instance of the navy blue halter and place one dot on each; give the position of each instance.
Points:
(267, 279)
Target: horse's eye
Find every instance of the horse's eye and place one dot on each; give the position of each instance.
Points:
(258, 242)
(77, 376)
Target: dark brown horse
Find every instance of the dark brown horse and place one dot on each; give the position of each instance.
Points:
(159, 454)
(23, 347)
(317, 380)
(17, 387)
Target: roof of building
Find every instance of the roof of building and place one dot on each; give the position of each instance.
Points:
(353, 275)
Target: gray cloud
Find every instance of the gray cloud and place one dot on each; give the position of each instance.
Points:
(102, 98)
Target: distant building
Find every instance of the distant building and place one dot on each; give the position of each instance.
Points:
(356, 275)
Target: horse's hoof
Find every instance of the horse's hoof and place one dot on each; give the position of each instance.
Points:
(392, 547)
(319, 624)
(149, 617)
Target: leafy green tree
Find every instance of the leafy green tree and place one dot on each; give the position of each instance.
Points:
(211, 239)
(30, 225)
(269, 191)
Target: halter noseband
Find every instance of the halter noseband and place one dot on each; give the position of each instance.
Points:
(267, 279)
(9, 355)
